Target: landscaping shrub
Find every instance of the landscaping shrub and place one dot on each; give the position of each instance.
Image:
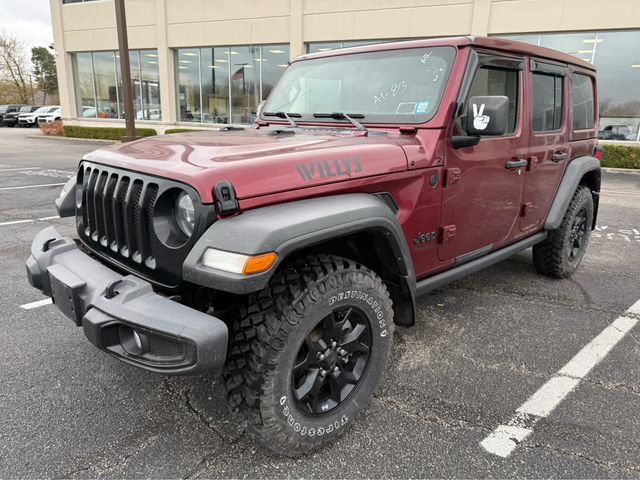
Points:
(103, 133)
(53, 129)
(620, 156)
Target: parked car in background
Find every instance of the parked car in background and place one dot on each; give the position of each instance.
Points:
(5, 109)
(151, 114)
(616, 132)
(31, 119)
(11, 119)
(50, 116)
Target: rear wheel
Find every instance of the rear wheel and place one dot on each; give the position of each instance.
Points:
(562, 251)
(308, 351)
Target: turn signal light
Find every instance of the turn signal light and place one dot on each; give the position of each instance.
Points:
(259, 263)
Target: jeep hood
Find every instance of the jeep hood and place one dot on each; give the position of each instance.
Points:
(258, 161)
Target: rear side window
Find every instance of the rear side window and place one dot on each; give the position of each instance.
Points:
(496, 81)
(582, 102)
(547, 102)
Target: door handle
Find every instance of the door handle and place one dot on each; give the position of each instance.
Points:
(559, 157)
(517, 163)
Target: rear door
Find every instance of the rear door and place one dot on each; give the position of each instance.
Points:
(482, 193)
(548, 145)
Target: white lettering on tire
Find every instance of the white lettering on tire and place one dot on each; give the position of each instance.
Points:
(375, 306)
(298, 427)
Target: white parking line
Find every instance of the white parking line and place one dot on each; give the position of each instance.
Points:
(18, 169)
(15, 222)
(32, 186)
(504, 439)
(39, 303)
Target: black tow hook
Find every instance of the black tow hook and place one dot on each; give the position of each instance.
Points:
(111, 292)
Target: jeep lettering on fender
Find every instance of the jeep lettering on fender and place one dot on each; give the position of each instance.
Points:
(283, 255)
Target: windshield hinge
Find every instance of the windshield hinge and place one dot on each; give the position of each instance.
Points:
(408, 130)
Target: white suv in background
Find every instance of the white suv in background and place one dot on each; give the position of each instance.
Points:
(53, 114)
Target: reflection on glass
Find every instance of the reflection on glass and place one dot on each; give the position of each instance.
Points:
(275, 59)
(188, 67)
(149, 83)
(98, 84)
(104, 69)
(245, 90)
(619, 82)
(85, 98)
(214, 67)
(616, 57)
(226, 84)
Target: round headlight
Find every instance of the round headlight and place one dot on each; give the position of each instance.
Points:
(185, 214)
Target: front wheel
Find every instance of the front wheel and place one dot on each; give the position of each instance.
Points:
(562, 251)
(308, 352)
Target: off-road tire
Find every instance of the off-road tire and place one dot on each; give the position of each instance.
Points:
(268, 334)
(551, 257)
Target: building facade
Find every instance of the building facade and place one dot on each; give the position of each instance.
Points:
(210, 62)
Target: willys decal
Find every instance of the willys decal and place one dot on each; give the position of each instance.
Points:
(329, 168)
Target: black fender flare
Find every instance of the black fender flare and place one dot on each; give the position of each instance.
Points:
(288, 227)
(573, 175)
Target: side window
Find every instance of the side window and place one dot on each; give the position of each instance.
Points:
(497, 81)
(582, 102)
(547, 102)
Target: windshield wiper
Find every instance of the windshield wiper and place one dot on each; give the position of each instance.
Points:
(344, 116)
(285, 115)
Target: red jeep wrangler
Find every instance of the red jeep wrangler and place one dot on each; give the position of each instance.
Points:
(284, 253)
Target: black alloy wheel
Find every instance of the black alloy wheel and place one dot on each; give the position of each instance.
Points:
(577, 235)
(331, 361)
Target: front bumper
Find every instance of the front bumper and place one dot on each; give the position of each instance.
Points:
(122, 315)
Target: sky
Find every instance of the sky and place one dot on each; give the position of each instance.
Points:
(27, 20)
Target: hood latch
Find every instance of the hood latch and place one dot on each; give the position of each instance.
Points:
(225, 195)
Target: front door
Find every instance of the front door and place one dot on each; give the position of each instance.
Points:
(483, 185)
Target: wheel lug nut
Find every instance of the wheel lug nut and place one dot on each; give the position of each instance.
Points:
(334, 344)
(336, 369)
(323, 372)
(321, 357)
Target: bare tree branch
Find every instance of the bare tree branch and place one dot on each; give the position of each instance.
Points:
(14, 66)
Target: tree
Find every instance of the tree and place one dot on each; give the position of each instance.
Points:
(13, 67)
(44, 70)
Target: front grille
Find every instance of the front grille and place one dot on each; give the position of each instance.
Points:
(117, 213)
(115, 218)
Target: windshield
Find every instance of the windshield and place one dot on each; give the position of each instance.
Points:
(3, 108)
(392, 86)
(25, 109)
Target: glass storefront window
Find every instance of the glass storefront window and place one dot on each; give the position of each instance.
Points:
(104, 71)
(149, 82)
(85, 93)
(188, 68)
(244, 64)
(274, 60)
(226, 84)
(618, 64)
(98, 84)
(214, 65)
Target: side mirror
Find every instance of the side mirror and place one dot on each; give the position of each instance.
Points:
(487, 115)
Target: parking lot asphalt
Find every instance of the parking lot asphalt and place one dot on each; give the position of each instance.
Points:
(481, 347)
